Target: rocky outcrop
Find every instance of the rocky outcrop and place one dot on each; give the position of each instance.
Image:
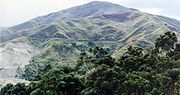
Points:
(12, 57)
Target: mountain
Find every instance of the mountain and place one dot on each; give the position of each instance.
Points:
(104, 11)
(62, 35)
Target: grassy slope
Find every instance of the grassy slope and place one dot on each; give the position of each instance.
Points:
(116, 31)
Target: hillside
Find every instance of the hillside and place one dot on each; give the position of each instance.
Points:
(137, 72)
(61, 36)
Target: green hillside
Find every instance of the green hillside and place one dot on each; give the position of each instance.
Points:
(139, 71)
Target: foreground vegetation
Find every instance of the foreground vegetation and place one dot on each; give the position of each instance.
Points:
(154, 71)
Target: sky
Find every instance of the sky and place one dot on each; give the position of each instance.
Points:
(14, 12)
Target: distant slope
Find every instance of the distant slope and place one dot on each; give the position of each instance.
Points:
(94, 10)
(103, 23)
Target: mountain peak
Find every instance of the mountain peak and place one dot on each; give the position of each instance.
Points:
(91, 9)
(99, 2)
(103, 3)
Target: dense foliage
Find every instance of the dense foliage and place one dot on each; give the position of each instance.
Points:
(154, 71)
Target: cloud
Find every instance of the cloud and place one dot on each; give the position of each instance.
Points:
(178, 18)
(155, 11)
(168, 8)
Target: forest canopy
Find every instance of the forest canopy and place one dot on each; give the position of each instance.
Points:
(139, 71)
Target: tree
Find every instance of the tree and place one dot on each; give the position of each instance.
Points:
(166, 42)
(136, 85)
(104, 81)
(18, 89)
(176, 53)
(173, 85)
(6, 89)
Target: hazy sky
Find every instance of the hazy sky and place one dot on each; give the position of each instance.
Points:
(14, 12)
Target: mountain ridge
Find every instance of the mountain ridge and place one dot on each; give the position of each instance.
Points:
(57, 15)
(94, 21)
